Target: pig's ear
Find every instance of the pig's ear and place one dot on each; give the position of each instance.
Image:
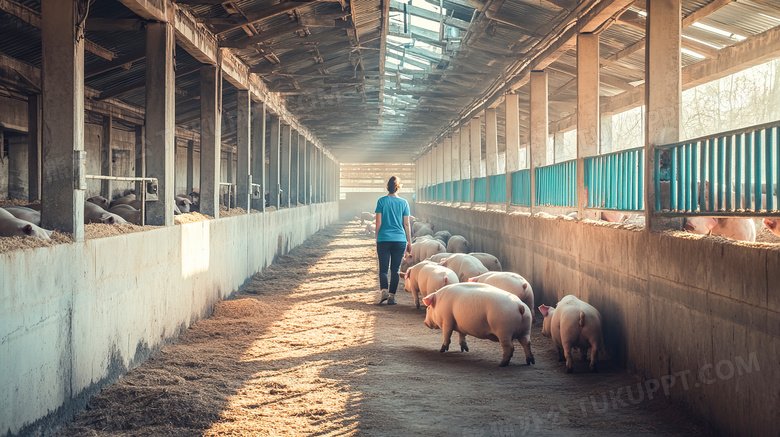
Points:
(770, 224)
(110, 220)
(710, 223)
(27, 229)
(430, 300)
(403, 275)
(544, 309)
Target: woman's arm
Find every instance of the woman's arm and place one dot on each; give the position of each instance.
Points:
(408, 234)
(378, 224)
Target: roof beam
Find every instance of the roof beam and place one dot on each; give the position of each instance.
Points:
(33, 18)
(119, 62)
(268, 35)
(254, 17)
(134, 86)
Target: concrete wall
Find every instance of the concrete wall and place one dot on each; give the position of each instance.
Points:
(74, 317)
(691, 309)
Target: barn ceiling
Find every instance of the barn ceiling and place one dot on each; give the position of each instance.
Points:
(380, 80)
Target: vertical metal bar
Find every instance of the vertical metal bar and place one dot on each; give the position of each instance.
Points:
(711, 174)
(641, 180)
(673, 179)
(748, 172)
(757, 162)
(721, 185)
(631, 195)
(694, 177)
(770, 201)
(687, 177)
(657, 178)
(738, 171)
(777, 157)
(729, 177)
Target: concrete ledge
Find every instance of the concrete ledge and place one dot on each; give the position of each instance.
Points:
(75, 317)
(697, 308)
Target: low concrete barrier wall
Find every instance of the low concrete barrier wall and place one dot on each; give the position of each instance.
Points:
(698, 317)
(75, 317)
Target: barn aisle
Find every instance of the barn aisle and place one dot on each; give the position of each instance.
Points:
(303, 351)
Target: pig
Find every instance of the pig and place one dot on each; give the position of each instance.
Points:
(420, 251)
(482, 311)
(573, 323)
(612, 216)
(457, 244)
(127, 212)
(11, 226)
(490, 262)
(773, 224)
(439, 257)
(366, 217)
(96, 214)
(421, 238)
(99, 201)
(423, 230)
(444, 236)
(183, 204)
(511, 282)
(427, 277)
(370, 229)
(24, 213)
(418, 225)
(730, 227)
(124, 200)
(464, 265)
(195, 199)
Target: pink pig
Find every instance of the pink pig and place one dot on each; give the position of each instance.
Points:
(427, 277)
(573, 323)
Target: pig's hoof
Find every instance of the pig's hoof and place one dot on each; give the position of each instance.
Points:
(464, 347)
(443, 349)
(530, 360)
(504, 363)
(569, 369)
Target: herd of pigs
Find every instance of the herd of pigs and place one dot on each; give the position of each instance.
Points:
(26, 220)
(467, 292)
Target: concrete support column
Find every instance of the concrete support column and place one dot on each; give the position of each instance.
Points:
(455, 157)
(446, 160)
(106, 156)
(62, 80)
(302, 170)
(475, 146)
(295, 168)
(558, 146)
(140, 158)
(284, 166)
(539, 126)
(190, 166)
(243, 146)
(663, 92)
(257, 154)
(512, 117)
(33, 147)
(274, 177)
(605, 132)
(588, 121)
(465, 154)
(210, 139)
(160, 121)
(491, 147)
(310, 161)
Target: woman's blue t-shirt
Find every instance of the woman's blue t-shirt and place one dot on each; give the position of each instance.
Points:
(393, 210)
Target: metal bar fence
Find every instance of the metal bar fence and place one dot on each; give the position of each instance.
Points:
(616, 180)
(465, 190)
(556, 185)
(480, 190)
(497, 188)
(731, 173)
(521, 188)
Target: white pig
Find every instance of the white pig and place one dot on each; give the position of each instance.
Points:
(737, 228)
(427, 277)
(367, 217)
(482, 311)
(773, 224)
(96, 214)
(464, 265)
(419, 225)
(491, 262)
(511, 282)
(99, 201)
(370, 229)
(421, 250)
(573, 323)
(444, 236)
(25, 213)
(439, 257)
(11, 226)
(458, 244)
(423, 230)
(183, 203)
(127, 212)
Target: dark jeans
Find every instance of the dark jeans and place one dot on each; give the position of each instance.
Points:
(389, 252)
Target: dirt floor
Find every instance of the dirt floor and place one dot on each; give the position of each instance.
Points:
(303, 351)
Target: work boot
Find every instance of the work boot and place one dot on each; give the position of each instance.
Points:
(391, 299)
(383, 296)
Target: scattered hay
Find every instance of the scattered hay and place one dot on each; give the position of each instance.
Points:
(224, 212)
(10, 244)
(190, 217)
(21, 202)
(240, 309)
(101, 230)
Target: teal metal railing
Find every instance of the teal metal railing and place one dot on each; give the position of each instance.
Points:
(616, 180)
(480, 190)
(456, 191)
(497, 188)
(731, 173)
(448, 191)
(556, 185)
(521, 188)
(465, 190)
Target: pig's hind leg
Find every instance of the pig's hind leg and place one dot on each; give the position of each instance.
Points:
(446, 330)
(529, 356)
(462, 340)
(509, 350)
(567, 353)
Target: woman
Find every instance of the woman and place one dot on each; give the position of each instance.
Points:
(393, 238)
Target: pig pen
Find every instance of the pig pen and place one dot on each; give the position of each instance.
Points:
(302, 350)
